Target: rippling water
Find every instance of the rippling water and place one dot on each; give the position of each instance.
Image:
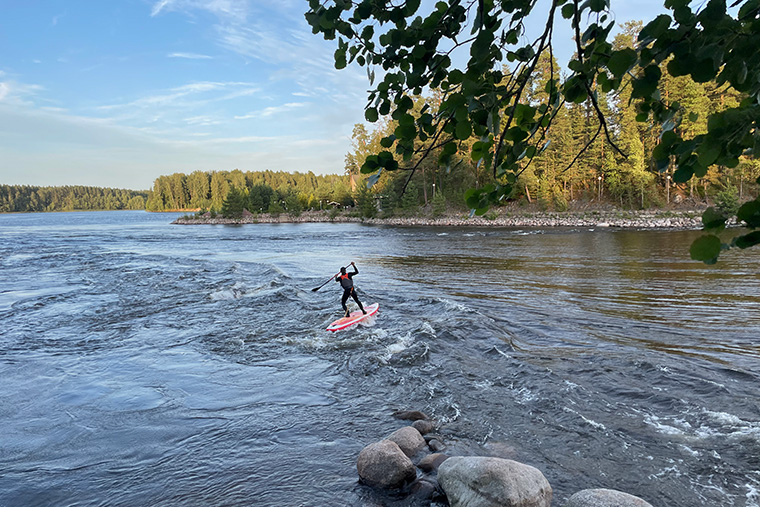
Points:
(151, 364)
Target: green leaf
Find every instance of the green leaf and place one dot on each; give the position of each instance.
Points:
(340, 58)
(749, 212)
(713, 219)
(371, 114)
(703, 71)
(706, 249)
(748, 240)
(568, 11)
(708, 153)
(387, 142)
(683, 174)
(621, 61)
(464, 130)
(654, 28)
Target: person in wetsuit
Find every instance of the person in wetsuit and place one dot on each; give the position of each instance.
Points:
(348, 288)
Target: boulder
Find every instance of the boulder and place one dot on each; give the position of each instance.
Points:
(409, 415)
(474, 481)
(423, 426)
(383, 464)
(408, 439)
(436, 445)
(604, 498)
(423, 489)
(431, 462)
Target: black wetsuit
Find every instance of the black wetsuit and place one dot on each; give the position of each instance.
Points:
(348, 289)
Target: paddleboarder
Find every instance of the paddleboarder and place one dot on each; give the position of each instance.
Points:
(345, 281)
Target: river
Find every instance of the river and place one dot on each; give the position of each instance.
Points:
(145, 363)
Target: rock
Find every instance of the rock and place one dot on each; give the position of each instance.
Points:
(436, 445)
(423, 426)
(604, 498)
(475, 481)
(409, 415)
(423, 488)
(431, 462)
(408, 439)
(383, 464)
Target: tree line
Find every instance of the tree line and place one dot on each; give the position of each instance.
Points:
(25, 198)
(573, 164)
(256, 191)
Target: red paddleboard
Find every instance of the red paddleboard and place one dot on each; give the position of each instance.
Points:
(354, 318)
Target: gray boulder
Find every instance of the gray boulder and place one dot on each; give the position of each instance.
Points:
(474, 481)
(423, 426)
(604, 498)
(383, 464)
(408, 439)
(431, 462)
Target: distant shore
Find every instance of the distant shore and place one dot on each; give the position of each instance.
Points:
(659, 219)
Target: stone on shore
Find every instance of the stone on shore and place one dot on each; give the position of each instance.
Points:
(475, 481)
(383, 464)
(604, 498)
(408, 439)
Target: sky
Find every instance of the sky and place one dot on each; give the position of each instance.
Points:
(116, 93)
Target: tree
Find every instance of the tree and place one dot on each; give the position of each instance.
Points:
(233, 204)
(414, 52)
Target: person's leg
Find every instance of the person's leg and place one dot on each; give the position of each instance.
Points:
(343, 301)
(356, 298)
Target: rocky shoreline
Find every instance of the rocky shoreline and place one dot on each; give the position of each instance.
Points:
(412, 463)
(691, 219)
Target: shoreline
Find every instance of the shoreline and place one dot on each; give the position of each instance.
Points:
(613, 219)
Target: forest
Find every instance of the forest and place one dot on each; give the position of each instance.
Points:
(25, 198)
(575, 167)
(262, 191)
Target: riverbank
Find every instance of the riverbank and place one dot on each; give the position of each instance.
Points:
(691, 219)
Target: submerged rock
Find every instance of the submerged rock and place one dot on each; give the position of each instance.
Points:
(436, 445)
(423, 426)
(476, 481)
(431, 462)
(383, 464)
(410, 415)
(604, 498)
(408, 439)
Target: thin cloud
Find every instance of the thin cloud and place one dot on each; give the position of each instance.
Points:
(270, 111)
(13, 92)
(176, 95)
(189, 56)
(230, 9)
(159, 6)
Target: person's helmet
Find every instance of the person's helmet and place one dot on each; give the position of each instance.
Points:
(342, 271)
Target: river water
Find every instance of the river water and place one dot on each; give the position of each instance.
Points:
(145, 363)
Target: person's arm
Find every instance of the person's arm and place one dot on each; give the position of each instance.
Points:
(356, 270)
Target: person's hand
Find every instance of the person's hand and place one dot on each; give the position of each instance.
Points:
(352, 263)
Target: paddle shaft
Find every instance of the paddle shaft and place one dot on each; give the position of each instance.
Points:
(330, 280)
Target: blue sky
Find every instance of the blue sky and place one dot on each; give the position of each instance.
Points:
(118, 92)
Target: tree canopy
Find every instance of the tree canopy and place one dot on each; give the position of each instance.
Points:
(24, 198)
(490, 111)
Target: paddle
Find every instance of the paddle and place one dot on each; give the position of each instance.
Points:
(315, 289)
